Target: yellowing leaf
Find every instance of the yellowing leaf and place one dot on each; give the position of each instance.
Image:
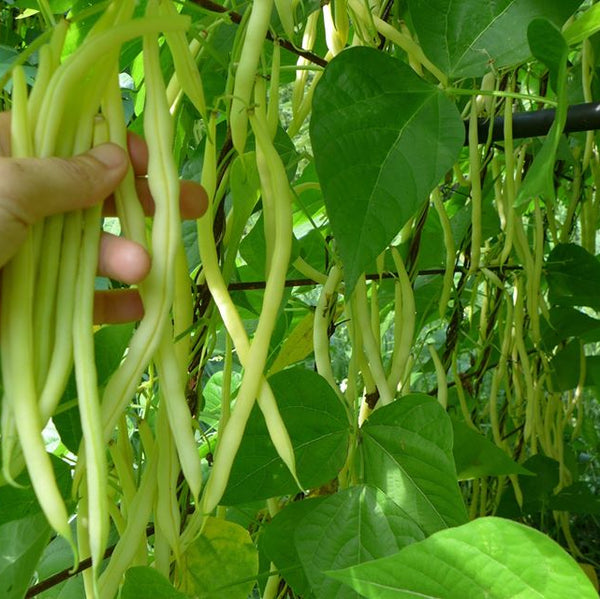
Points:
(221, 562)
(297, 346)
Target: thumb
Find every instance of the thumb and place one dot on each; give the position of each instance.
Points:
(33, 188)
(39, 187)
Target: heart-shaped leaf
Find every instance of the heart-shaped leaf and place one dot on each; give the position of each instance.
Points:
(22, 543)
(476, 456)
(407, 453)
(353, 526)
(221, 563)
(382, 138)
(275, 543)
(465, 38)
(143, 581)
(319, 430)
(573, 276)
(489, 557)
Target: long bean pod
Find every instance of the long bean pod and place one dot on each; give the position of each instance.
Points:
(230, 438)
(321, 326)
(404, 327)
(256, 31)
(20, 384)
(164, 185)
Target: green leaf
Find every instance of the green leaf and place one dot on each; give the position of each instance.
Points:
(22, 543)
(382, 139)
(476, 456)
(221, 563)
(318, 427)
(566, 323)
(549, 47)
(245, 191)
(58, 557)
(573, 276)
(496, 35)
(275, 542)
(351, 527)
(16, 503)
(189, 236)
(212, 394)
(407, 452)
(585, 26)
(592, 371)
(110, 342)
(487, 558)
(253, 249)
(576, 499)
(537, 490)
(287, 151)
(565, 366)
(142, 582)
(57, 6)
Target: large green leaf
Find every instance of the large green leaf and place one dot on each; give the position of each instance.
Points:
(476, 456)
(275, 542)
(22, 543)
(565, 366)
(58, 557)
(573, 276)
(407, 452)
(221, 563)
(318, 427)
(537, 491)
(465, 38)
(585, 26)
(488, 558)
(382, 138)
(565, 323)
(576, 499)
(142, 582)
(351, 527)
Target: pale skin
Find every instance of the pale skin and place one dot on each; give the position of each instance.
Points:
(33, 188)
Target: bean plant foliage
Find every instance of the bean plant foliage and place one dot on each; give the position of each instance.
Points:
(372, 367)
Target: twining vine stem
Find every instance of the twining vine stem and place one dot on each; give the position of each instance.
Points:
(237, 19)
(251, 285)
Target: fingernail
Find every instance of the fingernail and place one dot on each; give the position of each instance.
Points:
(111, 155)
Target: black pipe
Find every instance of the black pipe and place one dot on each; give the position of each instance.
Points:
(580, 117)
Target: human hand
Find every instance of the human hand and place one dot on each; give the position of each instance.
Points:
(34, 188)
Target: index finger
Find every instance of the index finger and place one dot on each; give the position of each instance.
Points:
(4, 133)
(138, 152)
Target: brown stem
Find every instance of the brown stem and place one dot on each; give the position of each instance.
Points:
(251, 285)
(236, 18)
(67, 573)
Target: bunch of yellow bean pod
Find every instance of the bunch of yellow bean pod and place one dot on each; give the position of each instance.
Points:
(48, 288)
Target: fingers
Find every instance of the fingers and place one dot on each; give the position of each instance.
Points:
(117, 306)
(138, 151)
(123, 260)
(33, 188)
(193, 200)
(4, 133)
